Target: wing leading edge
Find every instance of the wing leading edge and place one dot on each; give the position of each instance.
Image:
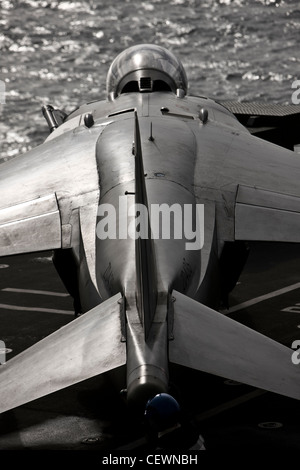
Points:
(262, 215)
(30, 226)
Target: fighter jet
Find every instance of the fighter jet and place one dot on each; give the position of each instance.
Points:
(148, 199)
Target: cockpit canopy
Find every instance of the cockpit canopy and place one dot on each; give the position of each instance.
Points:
(145, 68)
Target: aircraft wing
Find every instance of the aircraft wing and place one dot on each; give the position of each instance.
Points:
(262, 215)
(272, 122)
(30, 226)
(257, 191)
(43, 192)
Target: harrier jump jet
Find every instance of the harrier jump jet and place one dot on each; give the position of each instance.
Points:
(149, 299)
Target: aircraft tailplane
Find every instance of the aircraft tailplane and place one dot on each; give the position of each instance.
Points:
(211, 342)
(84, 348)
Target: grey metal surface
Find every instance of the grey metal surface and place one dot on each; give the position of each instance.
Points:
(32, 226)
(227, 158)
(147, 362)
(211, 342)
(88, 346)
(274, 200)
(265, 224)
(266, 215)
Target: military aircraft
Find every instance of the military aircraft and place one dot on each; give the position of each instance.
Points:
(148, 300)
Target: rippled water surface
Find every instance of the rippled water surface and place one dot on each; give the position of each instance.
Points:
(59, 52)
